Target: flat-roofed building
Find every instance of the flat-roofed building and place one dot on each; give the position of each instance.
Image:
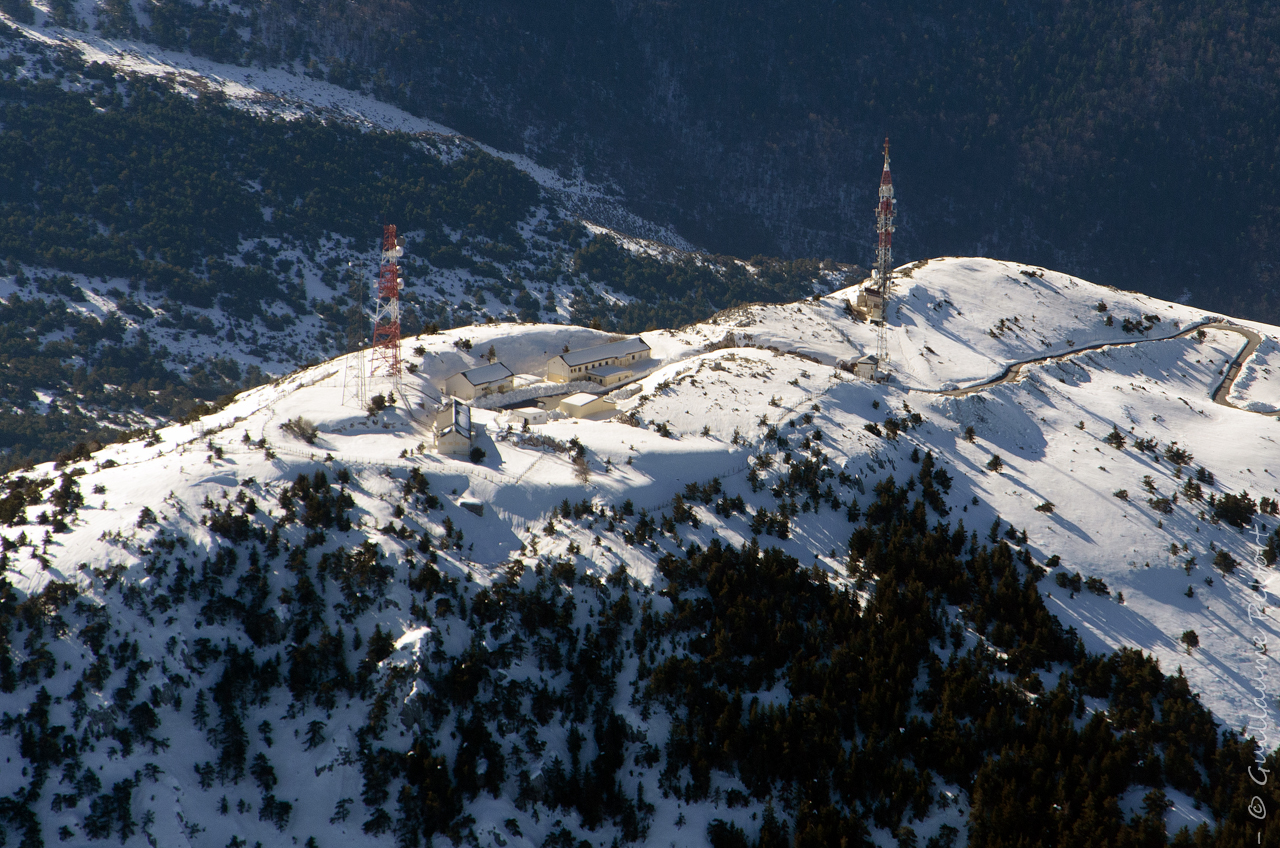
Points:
(871, 302)
(525, 415)
(584, 405)
(610, 375)
(606, 364)
(478, 382)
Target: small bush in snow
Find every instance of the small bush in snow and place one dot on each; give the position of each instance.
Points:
(301, 428)
(1097, 586)
(1073, 582)
(1178, 456)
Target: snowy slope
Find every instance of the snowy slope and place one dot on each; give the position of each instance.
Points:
(1157, 389)
(961, 321)
(718, 397)
(322, 269)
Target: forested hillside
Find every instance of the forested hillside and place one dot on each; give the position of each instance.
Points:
(745, 697)
(168, 249)
(767, 604)
(1132, 143)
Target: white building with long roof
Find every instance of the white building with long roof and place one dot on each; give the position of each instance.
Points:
(606, 364)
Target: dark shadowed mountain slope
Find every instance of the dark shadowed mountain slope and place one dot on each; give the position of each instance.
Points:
(1130, 141)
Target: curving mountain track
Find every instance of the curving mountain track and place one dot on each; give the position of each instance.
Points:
(1220, 393)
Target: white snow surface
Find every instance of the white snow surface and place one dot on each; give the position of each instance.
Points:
(1256, 388)
(717, 395)
(1156, 388)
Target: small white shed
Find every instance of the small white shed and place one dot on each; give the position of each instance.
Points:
(525, 415)
(866, 366)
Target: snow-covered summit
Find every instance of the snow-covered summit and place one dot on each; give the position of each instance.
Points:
(1105, 459)
(715, 385)
(962, 320)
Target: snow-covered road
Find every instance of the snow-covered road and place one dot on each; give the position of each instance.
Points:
(1219, 394)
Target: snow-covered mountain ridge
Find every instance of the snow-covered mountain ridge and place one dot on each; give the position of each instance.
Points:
(169, 235)
(746, 431)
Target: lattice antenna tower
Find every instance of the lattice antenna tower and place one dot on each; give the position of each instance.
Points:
(885, 213)
(386, 312)
(355, 389)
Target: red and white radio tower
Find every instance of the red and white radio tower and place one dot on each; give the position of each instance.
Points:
(885, 213)
(386, 314)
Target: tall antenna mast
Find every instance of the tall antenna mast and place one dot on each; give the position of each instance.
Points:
(885, 213)
(354, 382)
(386, 314)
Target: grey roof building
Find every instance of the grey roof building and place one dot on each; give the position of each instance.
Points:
(481, 381)
(605, 364)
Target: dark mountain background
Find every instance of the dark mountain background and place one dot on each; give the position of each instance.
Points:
(253, 234)
(1133, 143)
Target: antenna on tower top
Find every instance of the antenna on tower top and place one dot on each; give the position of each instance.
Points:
(885, 213)
(386, 314)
